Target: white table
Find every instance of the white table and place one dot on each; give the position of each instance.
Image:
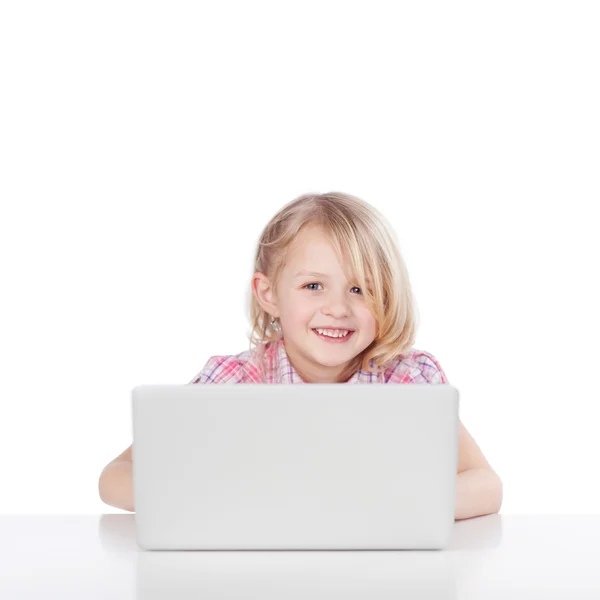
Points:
(84, 557)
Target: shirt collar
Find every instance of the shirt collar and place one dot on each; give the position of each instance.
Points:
(284, 371)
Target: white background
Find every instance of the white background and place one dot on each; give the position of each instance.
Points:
(144, 146)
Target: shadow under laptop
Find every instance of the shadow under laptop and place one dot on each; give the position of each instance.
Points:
(299, 573)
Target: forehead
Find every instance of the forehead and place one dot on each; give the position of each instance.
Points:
(311, 255)
(310, 246)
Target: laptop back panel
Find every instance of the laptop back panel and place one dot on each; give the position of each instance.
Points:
(275, 466)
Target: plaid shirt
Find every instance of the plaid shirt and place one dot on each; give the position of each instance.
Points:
(417, 366)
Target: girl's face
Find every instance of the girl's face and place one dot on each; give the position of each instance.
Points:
(326, 300)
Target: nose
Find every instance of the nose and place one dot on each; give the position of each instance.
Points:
(335, 305)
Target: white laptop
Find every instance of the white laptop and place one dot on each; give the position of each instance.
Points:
(294, 467)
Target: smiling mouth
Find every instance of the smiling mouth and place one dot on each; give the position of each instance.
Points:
(340, 338)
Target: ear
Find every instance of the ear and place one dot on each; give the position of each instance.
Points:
(264, 292)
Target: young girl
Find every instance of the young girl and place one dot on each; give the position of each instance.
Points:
(328, 265)
(331, 302)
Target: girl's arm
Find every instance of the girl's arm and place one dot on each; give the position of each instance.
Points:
(478, 493)
(478, 486)
(115, 484)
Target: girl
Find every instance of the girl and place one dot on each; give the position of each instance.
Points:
(331, 302)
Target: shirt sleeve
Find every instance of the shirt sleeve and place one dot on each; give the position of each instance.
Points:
(221, 369)
(430, 368)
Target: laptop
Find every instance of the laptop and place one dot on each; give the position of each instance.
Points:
(321, 466)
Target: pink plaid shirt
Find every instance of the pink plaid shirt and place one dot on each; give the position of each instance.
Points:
(417, 366)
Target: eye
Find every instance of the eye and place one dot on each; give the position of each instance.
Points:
(315, 283)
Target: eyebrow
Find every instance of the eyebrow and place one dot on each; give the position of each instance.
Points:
(316, 274)
(311, 273)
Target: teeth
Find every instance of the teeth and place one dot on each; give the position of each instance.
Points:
(333, 332)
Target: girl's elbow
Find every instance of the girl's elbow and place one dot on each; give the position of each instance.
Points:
(115, 485)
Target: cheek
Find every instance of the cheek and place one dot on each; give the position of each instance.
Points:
(368, 321)
(298, 311)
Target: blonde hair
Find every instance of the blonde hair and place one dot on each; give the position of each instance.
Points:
(362, 237)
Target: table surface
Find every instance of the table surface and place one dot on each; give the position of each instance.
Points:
(494, 556)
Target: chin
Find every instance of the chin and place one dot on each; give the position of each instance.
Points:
(328, 359)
